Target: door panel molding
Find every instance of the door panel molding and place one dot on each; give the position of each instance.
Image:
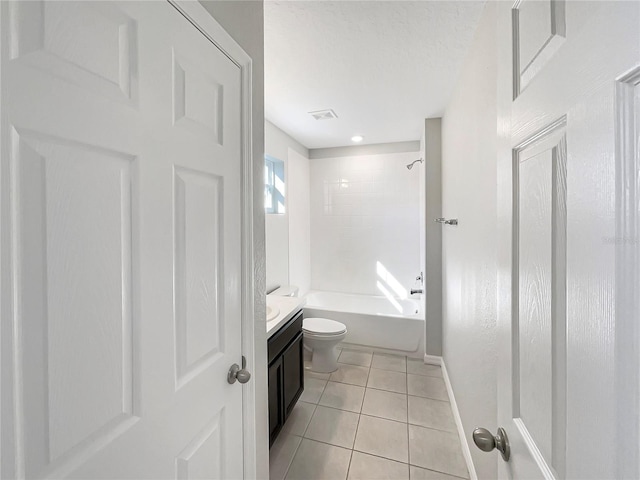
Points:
(530, 51)
(189, 108)
(59, 185)
(112, 75)
(206, 448)
(198, 286)
(539, 244)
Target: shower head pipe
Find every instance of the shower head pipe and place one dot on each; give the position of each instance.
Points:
(410, 166)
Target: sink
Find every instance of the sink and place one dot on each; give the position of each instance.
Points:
(272, 312)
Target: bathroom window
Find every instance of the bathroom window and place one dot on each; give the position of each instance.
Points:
(274, 185)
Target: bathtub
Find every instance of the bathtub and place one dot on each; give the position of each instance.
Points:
(376, 322)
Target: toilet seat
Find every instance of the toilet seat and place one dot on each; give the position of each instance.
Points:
(323, 327)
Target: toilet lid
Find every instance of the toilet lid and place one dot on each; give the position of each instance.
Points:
(323, 326)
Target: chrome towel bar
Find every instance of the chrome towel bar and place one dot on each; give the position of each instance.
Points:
(451, 221)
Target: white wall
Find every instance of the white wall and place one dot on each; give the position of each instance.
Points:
(277, 142)
(364, 211)
(287, 237)
(469, 129)
(299, 207)
(277, 247)
(361, 150)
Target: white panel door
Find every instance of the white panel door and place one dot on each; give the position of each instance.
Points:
(121, 237)
(569, 134)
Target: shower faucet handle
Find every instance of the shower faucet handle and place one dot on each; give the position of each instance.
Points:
(420, 278)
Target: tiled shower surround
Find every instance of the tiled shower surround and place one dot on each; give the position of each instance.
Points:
(365, 224)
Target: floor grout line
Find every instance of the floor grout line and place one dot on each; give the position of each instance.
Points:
(327, 443)
(408, 434)
(384, 458)
(390, 391)
(430, 376)
(437, 471)
(429, 398)
(349, 466)
(315, 407)
(354, 442)
(383, 418)
(347, 383)
(339, 409)
(389, 459)
(292, 457)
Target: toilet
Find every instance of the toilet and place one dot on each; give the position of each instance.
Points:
(320, 335)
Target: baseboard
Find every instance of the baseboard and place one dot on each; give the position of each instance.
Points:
(432, 359)
(367, 348)
(466, 452)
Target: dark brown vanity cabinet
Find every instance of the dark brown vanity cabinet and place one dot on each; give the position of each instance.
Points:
(286, 373)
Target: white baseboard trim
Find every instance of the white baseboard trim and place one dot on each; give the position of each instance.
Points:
(432, 359)
(369, 349)
(466, 452)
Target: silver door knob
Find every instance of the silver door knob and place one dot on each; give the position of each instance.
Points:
(486, 441)
(236, 373)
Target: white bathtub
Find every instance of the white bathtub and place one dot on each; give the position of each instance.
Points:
(372, 321)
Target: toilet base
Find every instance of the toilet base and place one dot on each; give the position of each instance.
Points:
(324, 356)
(325, 360)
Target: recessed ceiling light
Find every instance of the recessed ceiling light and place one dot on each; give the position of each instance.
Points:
(357, 138)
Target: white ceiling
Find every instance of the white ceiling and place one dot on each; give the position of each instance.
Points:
(382, 66)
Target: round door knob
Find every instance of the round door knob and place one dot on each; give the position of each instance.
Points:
(243, 375)
(236, 373)
(486, 441)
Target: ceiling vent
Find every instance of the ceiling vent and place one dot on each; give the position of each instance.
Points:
(324, 114)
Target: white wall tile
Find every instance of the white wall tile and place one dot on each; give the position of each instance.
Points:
(364, 210)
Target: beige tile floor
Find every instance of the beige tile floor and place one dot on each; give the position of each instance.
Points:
(378, 417)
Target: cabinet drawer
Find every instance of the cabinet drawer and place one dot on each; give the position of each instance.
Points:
(285, 335)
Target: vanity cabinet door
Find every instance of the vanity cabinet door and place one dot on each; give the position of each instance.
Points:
(293, 373)
(276, 403)
(286, 373)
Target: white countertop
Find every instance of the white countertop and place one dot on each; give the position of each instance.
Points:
(288, 307)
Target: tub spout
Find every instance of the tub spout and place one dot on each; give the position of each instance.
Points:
(416, 290)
